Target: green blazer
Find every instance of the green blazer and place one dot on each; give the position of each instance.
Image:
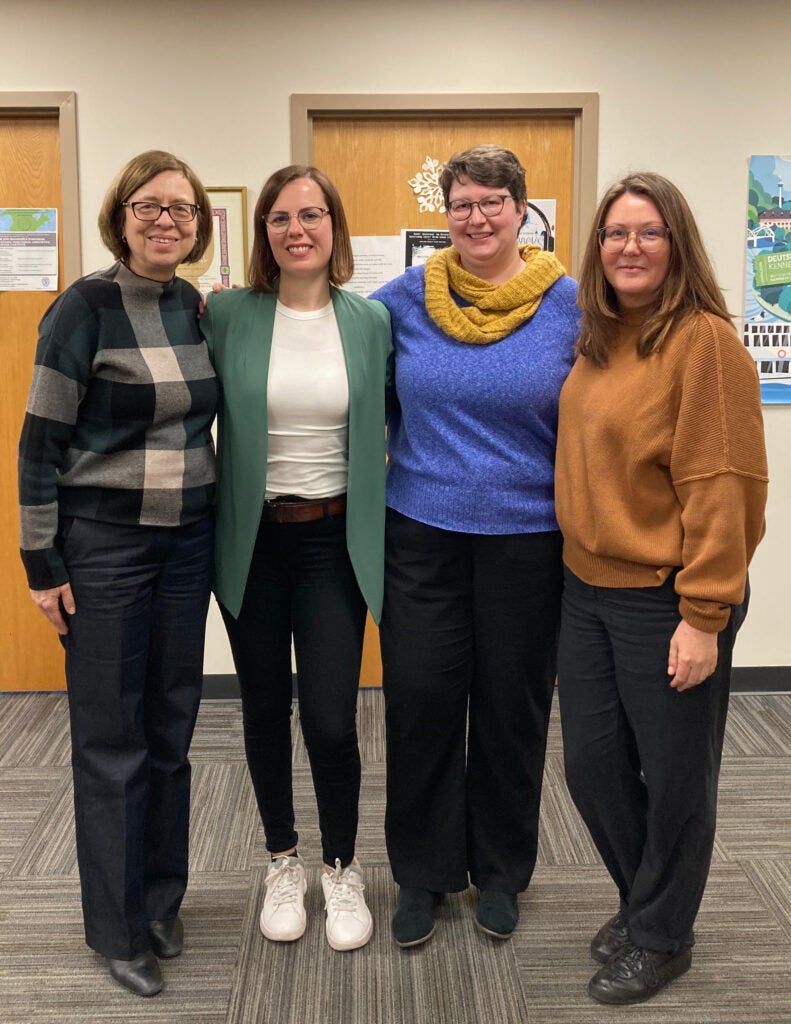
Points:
(238, 327)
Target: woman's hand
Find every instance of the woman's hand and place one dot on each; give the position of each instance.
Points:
(693, 656)
(54, 602)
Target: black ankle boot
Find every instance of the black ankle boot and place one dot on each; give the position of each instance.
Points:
(413, 919)
(497, 913)
(141, 975)
(167, 937)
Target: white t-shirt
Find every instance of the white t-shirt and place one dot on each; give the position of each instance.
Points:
(307, 406)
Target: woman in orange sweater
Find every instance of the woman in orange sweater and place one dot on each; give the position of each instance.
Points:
(660, 491)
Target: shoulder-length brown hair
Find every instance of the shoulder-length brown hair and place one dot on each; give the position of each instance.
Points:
(130, 178)
(264, 269)
(690, 284)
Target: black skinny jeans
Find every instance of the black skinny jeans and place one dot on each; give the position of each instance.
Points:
(302, 583)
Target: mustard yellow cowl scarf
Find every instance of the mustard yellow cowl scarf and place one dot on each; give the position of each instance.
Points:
(497, 309)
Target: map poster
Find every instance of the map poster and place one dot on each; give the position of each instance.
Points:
(767, 306)
(28, 250)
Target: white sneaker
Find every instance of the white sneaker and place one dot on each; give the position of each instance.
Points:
(349, 922)
(283, 916)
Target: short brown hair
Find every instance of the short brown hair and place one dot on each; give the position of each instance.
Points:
(485, 165)
(264, 269)
(133, 176)
(690, 283)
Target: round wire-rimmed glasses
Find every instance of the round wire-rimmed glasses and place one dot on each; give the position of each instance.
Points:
(309, 217)
(650, 238)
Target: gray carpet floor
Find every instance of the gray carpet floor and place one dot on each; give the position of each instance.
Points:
(228, 974)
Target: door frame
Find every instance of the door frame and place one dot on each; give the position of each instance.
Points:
(583, 107)
(64, 105)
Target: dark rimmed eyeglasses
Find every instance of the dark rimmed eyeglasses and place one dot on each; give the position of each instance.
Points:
(490, 206)
(179, 212)
(309, 217)
(650, 238)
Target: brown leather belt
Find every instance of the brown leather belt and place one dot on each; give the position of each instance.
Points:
(276, 511)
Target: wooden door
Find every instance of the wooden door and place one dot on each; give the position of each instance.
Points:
(31, 657)
(371, 160)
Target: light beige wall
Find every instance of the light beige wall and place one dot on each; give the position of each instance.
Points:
(686, 88)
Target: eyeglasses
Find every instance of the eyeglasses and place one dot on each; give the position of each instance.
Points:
(650, 238)
(490, 206)
(309, 217)
(179, 212)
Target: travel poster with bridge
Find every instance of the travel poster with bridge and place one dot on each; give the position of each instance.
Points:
(767, 306)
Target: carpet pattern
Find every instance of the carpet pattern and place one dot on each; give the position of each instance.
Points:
(228, 974)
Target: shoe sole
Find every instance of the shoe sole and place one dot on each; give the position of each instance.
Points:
(490, 933)
(416, 942)
(681, 967)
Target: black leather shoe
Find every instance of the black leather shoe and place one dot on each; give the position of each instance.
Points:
(497, 913)
(141, 975)
(635, 974)
(413, 918)
(167, 937)
(609, 939)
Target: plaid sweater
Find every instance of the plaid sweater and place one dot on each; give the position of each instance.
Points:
(117, 425)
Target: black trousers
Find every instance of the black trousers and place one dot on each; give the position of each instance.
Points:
(469, 637)
(134, 671)
(302, 584)
(642, 759)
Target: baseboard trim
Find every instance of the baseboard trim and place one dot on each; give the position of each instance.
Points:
(761, 679)
(757, 679)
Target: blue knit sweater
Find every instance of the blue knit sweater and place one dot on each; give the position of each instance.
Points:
(472, 438)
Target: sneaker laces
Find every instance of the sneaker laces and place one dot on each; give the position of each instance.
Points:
(283, 877)
(346, 889)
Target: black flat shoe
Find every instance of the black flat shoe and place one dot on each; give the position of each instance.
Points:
(497, 913)
(167, 937)
(635, 974)
(413, 918)
(141, 975)
(610, 938)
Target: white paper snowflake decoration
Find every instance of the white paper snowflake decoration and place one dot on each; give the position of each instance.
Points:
(425, 185)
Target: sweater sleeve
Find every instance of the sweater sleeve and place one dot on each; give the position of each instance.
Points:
(719, 472)
(62, 370)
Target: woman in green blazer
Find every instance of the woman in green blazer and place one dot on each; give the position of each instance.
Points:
(300, 526)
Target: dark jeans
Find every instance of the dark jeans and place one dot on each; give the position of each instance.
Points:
(134, 669)
(642, 759)
(302, 583)
(469, 637)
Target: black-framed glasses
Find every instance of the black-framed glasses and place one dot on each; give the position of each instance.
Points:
(490, 206)
(650, 238)
(309, 217)
(179, 212)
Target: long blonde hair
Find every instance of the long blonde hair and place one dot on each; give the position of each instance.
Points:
(689, 286)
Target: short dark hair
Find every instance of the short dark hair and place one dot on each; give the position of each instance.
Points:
(130, 178)
(485, 165)
(690, 283)
(264, 269)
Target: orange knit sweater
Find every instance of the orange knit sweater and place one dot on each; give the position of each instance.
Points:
(661, 464)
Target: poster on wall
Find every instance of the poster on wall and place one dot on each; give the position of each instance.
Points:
(539, 224)
(28, 249)
(767, 306)
(226, 259)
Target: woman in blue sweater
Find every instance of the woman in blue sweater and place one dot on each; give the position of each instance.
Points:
(484, 337)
